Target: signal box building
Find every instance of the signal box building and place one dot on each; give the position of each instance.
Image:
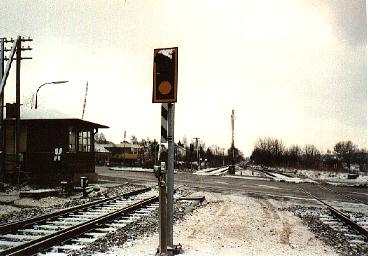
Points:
(53, 147)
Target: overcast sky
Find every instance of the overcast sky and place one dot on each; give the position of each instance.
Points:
(294, 70)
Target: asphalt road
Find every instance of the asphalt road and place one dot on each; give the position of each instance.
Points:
(245, 185)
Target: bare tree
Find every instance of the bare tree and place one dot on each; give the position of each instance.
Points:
(133, 140)
(293, 155)
(100, 138)
(29, 101)
(311, 156)
(345, 151)
(269, 151)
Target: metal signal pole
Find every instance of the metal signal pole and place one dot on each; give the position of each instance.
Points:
(170, 174)
(163, 209)
(165, 74)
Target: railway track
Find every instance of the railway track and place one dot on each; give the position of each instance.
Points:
(356, 200)
(351, 225)
(354, 229)
(79, 225)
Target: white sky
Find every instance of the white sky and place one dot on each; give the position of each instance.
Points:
(295, 70)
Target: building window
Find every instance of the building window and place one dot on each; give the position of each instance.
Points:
(72, 140)
(84, 139)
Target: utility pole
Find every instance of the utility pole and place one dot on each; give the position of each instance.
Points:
(16, 49)
(2, 153)
(2, 56)
(124, 147)
(199, 164)
(17, 117)
(232, 166)
(223, 157)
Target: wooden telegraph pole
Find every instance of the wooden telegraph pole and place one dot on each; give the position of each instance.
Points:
(15, 50)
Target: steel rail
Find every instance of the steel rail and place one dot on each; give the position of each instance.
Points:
(338, 214)
(344, 195)
(13, 226)
(37, 245)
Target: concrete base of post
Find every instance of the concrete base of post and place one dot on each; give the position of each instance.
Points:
(177, 249)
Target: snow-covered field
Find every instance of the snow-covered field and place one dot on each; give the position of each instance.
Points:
(236, 225)
(309, 176)
(334, 178)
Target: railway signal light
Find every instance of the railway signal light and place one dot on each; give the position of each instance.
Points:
(165, 75)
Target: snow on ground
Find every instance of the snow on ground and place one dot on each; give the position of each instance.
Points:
(280, 177)
(131, 169)
(236, 225)
(6, 209)
(212, 171)
(204, 171)
(43, 202)
(248, 172)
(10, 202)
(334, 178)
(299, 176)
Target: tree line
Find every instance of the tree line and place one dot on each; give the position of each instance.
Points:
(273, 152)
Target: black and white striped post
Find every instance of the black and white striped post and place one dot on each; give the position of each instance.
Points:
(164, 115)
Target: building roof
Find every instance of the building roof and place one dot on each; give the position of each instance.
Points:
(52, 114)
(100, 148)
(32, 114)
(121, 145)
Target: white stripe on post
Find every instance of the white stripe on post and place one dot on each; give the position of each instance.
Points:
(164, 112)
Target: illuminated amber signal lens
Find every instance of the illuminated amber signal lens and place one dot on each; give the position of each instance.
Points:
(164, 87)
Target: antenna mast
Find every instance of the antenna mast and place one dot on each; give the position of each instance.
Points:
(85, 100)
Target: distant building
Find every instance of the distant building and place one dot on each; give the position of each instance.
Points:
(53, 146)
(102, 155)
(125, 153)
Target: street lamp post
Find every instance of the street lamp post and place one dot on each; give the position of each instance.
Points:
(55, 82)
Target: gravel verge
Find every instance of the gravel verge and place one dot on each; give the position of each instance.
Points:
(310, 217)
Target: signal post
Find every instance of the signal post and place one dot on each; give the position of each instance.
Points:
(165, 77)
